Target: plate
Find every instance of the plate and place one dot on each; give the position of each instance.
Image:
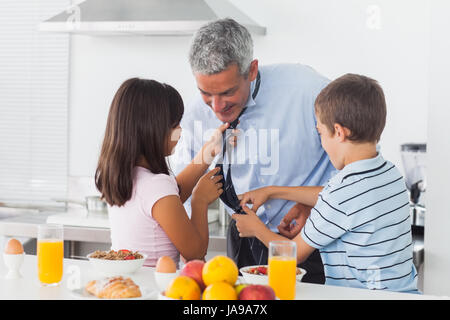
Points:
(147, 294)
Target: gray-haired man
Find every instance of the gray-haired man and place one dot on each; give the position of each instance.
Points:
(273, 108)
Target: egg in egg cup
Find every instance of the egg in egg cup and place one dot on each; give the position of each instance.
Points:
(165, 272)
(13, 256)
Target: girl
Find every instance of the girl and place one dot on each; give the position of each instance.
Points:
(146, 203)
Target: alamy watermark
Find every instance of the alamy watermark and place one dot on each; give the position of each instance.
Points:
(251, 147)
(73, 21)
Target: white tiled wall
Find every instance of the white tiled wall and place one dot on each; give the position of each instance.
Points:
(80, 187)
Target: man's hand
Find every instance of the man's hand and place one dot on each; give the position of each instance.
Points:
(298, 213)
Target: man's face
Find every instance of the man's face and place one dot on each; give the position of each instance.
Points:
(226, 92)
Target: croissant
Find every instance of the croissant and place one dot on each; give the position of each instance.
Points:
(113, 288)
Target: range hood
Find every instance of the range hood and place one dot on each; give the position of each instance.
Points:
(144, 17)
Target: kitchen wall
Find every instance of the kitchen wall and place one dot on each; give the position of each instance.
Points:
(387, 40)
(437, 222)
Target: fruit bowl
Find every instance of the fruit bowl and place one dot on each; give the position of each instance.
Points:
(216, 279)
(255, 274)
(110, 268)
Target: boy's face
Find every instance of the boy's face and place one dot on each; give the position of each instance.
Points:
(331, 144)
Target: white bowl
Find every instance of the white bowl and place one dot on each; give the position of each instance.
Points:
(110, 268)
(163, 279)
(263, 279)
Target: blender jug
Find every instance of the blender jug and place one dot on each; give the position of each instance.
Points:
(414, 163)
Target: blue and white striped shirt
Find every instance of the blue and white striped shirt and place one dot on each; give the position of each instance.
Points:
(361, 224)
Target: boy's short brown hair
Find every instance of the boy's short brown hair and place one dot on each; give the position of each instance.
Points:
(355, 102)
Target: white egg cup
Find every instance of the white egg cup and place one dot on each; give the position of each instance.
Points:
(13, 262)
(163, 279)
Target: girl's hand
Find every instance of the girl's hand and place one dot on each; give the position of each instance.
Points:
(256, 197)
(247, 224)
(214, 146)
(208, 187)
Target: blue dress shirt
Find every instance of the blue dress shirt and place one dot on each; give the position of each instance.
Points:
(278, 144)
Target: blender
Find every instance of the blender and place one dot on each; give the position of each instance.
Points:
(414, 163)
(413, 159)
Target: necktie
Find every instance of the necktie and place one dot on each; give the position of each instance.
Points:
(229, 196)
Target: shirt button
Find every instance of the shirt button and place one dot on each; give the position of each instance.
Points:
(269, 206)
(261, 179)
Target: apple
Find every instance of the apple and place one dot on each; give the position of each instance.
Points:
(239, 287)
(193, 269)
(257, 292)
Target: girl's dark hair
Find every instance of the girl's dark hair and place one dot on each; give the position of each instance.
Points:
(140, 119)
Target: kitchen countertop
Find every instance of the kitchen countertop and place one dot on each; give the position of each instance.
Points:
(89, 229)
(78, 272)
(83, 227)
(25, 225)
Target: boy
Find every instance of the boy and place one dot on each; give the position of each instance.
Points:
(360, 220)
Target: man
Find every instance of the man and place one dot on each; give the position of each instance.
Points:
(273, 109)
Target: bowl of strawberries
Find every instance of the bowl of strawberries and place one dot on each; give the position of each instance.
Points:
(114, 263)
(260, 274)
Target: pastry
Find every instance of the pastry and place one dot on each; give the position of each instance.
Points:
(114, 288)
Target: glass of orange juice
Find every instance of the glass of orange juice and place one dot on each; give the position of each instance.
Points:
(283, 268)
(50, 254)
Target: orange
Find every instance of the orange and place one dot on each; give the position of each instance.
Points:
(220, 268)
(220, 291)
(183, 288)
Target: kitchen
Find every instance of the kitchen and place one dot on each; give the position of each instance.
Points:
(72, 78)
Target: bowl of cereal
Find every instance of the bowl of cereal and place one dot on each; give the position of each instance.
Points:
(259, 274)
(115, 263)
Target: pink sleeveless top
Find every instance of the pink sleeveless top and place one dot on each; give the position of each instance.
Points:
(133, 226)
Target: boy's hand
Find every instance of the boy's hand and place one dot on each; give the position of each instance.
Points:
(298, 213)
(256, 197)
(248, 223)
(208, 187)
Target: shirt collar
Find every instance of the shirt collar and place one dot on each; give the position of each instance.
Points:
(359, 166)
(250, 101)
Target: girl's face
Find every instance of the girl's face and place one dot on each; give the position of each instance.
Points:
(174, 136)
